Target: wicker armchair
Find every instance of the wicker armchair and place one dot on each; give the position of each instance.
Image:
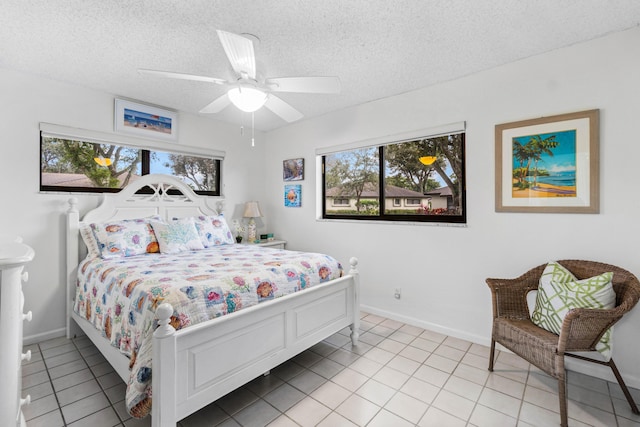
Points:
(581, 328)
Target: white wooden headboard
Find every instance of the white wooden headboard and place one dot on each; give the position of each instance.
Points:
(127, 204)
(169, 198)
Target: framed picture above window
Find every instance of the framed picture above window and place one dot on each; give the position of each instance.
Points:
(145, 120)
(548, 164)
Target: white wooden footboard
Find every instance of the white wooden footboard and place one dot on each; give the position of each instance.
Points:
(197, 365)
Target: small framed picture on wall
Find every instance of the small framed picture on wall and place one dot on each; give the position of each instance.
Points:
(293, 196)
(145, 121)
(293, 170)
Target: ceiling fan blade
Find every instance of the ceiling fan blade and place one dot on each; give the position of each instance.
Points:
(304, 84)
(183, 76)
(240, 52)
(217, 105)
(282, 109)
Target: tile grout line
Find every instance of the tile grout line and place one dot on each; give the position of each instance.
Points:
(370, 378)
(55, 392)
(102, 390)
(55, 395)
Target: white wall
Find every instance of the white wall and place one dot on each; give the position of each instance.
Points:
(442, 270)
(39, 217)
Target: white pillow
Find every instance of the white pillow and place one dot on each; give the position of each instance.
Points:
(177, 236)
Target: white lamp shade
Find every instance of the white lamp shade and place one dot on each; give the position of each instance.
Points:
(247, 99)
(252, 210)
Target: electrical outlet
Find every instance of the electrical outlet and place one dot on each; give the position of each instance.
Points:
(398, 293)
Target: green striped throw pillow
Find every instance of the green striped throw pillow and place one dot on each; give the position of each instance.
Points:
(560, 291)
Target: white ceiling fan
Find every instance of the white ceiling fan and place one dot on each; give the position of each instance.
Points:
(248, 92)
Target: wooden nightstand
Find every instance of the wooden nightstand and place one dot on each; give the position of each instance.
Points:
(277, 244)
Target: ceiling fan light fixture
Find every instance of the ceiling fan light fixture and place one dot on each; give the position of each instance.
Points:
(247, 99)
(428, 160)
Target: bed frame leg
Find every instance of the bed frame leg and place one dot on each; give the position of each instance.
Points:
(355, 326)
(73, 255)
(355, 334)
(73, 330)
(163, 409)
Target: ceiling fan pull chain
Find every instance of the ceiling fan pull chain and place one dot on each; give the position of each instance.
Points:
(253, 130)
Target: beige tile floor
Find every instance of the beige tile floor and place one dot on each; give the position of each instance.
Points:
(399, 375)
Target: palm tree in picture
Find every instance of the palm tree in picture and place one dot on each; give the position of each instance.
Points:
(522, 154)
(539, 147)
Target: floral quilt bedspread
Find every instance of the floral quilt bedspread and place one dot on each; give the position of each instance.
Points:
(120, 296)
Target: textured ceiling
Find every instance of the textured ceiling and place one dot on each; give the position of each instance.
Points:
(378, 48)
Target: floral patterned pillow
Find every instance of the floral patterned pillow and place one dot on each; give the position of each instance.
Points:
(125, 238)
(93, 250)
(177, 236)
(213, 230)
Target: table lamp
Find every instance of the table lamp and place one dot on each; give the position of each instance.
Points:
(251, 211)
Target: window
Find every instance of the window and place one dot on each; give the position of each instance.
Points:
(353, 175)
(433, 189)
(200, 173)
(88, 166)
(337, 201)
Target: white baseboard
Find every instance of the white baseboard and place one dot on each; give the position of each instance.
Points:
(477, 339)
(44, 336)
(587, 368)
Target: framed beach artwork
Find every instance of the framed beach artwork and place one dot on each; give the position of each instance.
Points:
(293, 170)
(145, 121)
(548, 164)
(293, 196)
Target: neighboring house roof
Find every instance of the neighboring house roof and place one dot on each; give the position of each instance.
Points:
(442, 192)
(74, 179)
(371, 191)
(392, 191)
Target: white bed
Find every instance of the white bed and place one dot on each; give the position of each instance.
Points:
(199, 364)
